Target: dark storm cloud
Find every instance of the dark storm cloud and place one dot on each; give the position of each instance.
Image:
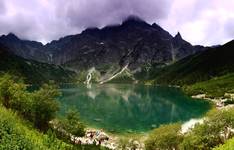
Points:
(99, 13)
(46, 20)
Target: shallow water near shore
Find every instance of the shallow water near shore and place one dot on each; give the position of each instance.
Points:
(128, 108)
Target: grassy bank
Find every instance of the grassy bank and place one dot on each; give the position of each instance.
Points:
(215, 87)
(17, 133)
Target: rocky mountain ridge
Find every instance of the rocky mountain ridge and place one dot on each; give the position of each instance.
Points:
(134, 42)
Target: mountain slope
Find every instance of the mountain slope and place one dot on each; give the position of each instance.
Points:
(32, 71)
(203, 66)
(215, 87)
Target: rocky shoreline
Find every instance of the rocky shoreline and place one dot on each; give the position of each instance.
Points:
(220, 102)
(100, 137)
(96, 137)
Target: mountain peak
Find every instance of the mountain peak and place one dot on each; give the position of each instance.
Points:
(12, 36)
(178, 36)
(133, 19)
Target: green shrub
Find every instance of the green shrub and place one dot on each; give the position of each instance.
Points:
(166, 137)
(70, 124)
(202, 137)
(44, 106)
(229, 145)
(39, 107)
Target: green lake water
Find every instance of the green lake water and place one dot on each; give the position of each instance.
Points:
(130, 108)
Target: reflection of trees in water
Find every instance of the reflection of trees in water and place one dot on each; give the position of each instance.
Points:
(133, 106)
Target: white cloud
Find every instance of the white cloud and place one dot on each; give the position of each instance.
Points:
(201, 22)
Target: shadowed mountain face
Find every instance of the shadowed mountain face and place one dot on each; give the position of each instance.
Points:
(133, 42)
(23, 48)
(32, 71)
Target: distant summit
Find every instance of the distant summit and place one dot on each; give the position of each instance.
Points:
(133, 19)
(178, 36)
(10, 36)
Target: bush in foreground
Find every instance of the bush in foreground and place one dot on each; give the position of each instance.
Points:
(39, 106)
(69, 124)
(216, 129)
(166, 137)
(229, 145)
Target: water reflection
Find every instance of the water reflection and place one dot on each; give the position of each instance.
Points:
(122, 107)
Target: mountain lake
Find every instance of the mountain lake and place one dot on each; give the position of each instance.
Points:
(132, 108)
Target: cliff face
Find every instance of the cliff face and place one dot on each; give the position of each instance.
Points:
(133, 42)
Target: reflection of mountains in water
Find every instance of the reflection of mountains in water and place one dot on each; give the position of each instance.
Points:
(111, 90)
(134, 107)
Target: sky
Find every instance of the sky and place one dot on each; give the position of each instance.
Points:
(200, 22)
